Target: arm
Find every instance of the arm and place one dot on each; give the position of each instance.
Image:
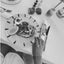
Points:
(39, 45)
(37, 51)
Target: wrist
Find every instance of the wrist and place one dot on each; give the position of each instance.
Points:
(37, 59)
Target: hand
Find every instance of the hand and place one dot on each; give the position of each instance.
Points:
(37, 50)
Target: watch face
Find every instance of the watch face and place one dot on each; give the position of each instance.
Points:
(21, 29)
(21, 25)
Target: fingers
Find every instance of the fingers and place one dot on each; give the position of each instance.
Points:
(39, 45)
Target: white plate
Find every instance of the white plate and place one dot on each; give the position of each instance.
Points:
(10, 2)
(13, 58)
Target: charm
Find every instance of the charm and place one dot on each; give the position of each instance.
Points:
(60, 13)
(50, 12)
